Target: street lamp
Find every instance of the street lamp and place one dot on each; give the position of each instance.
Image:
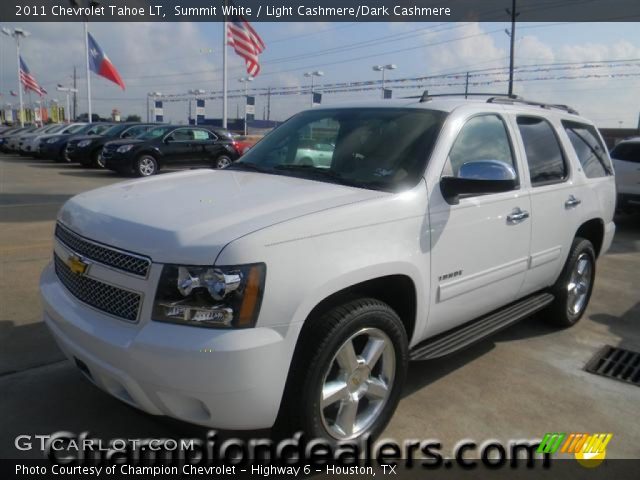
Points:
(149, 95)
(383, 68)
(317, 73)
(246, 81)
(195, 92)
(17, 34)
(67, 90)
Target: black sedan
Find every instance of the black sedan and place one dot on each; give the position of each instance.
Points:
(86, 149)
(170, 146)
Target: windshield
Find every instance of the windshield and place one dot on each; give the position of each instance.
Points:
(115, 130)
(377, 148)
(155, 133)
(56, 129)
(73, 129)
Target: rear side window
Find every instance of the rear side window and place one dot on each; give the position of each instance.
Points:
(589, 149)
(628, 151)
(544, 154)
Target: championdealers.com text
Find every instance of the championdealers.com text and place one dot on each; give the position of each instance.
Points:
(75, 454)
(265, 12)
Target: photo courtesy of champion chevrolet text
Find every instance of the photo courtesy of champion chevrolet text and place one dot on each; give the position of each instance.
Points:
(320, 239)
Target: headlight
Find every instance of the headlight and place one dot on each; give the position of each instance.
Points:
(84, 143)
(53, 140)
(124, 148)
(213, 297)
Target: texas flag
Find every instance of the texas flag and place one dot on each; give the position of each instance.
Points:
(100, 63)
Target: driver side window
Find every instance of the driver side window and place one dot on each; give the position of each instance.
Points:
(482, 138)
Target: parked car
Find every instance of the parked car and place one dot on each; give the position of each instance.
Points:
(52, 146)
(316, 155)
(24, 144)
(5, 136)
(31, 144)
(271, 292)
(87, 149)
(13, 141)
(626, 161)
(170, 146)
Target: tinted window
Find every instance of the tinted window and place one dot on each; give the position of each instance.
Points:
(629, 152)
(182, 135)
(544, 155)
(482, 138)
(377, 148)
(203, 135)
(589, 149)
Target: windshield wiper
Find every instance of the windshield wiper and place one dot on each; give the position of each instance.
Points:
(330, 175)
(247, 166)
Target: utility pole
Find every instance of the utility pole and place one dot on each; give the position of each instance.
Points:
(75, 94)
(269, 104)
(466, 87)
(512, 34)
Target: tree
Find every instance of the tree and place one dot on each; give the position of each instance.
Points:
(133, 118)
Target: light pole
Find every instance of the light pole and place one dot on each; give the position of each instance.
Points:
(67, 90)
(17, 34)
(246, 81)
(316, 73)
(151, 95)
(195, 92)
(383, 68)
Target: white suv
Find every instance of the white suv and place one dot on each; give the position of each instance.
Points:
(279, 292)
(626, 161)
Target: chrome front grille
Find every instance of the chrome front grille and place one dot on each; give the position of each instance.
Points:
(109, 256)
(106, 298)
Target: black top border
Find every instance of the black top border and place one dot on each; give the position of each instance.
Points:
(436, 11)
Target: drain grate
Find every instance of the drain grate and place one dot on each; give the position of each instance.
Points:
(617, 363)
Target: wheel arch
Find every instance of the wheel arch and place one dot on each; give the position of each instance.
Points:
(398, 291)
(592, 230)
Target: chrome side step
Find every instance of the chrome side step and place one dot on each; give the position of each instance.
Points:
(469, 333)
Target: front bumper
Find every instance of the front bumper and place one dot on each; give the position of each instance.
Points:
(77, 155)
(218, 378)
(53, 151)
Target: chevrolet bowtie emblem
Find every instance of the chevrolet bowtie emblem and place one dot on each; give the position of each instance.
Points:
(77, 265)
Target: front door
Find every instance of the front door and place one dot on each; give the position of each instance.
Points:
(480, 246)
(178, 148)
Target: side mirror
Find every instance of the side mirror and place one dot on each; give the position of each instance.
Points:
(168, 140)
(479, 178)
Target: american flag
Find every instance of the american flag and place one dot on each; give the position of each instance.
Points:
(245, 41)
(29, 81)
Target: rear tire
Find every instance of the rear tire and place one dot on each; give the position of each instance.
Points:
(347, 373)
(145, 166)
(223, 161)
(573, 288)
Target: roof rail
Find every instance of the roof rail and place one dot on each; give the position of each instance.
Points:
(519, 100)
(426, 96)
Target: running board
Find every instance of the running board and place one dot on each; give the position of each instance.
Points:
(469, 333)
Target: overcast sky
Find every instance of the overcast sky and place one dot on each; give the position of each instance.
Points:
(175, 57)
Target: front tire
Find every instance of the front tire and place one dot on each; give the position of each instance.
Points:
(145, 166)
(347, 373)
(573, 288)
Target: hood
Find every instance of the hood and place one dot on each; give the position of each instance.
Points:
(125, 141)
(79, 138)
(189, 217)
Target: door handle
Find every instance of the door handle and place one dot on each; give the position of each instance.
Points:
(517, 216)
(572, 202)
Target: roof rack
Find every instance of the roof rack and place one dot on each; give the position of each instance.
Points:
(519, 100)
(502, 98)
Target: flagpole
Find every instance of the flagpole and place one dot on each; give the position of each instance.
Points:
(224, 73)
(86, 57)
(20, 112)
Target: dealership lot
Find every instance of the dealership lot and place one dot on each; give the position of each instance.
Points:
(523, 383)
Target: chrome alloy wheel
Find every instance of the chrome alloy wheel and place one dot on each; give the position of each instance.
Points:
(358, 383)
(146, 166)
(579, 284)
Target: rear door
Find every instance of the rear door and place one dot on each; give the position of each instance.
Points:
(556, 199)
